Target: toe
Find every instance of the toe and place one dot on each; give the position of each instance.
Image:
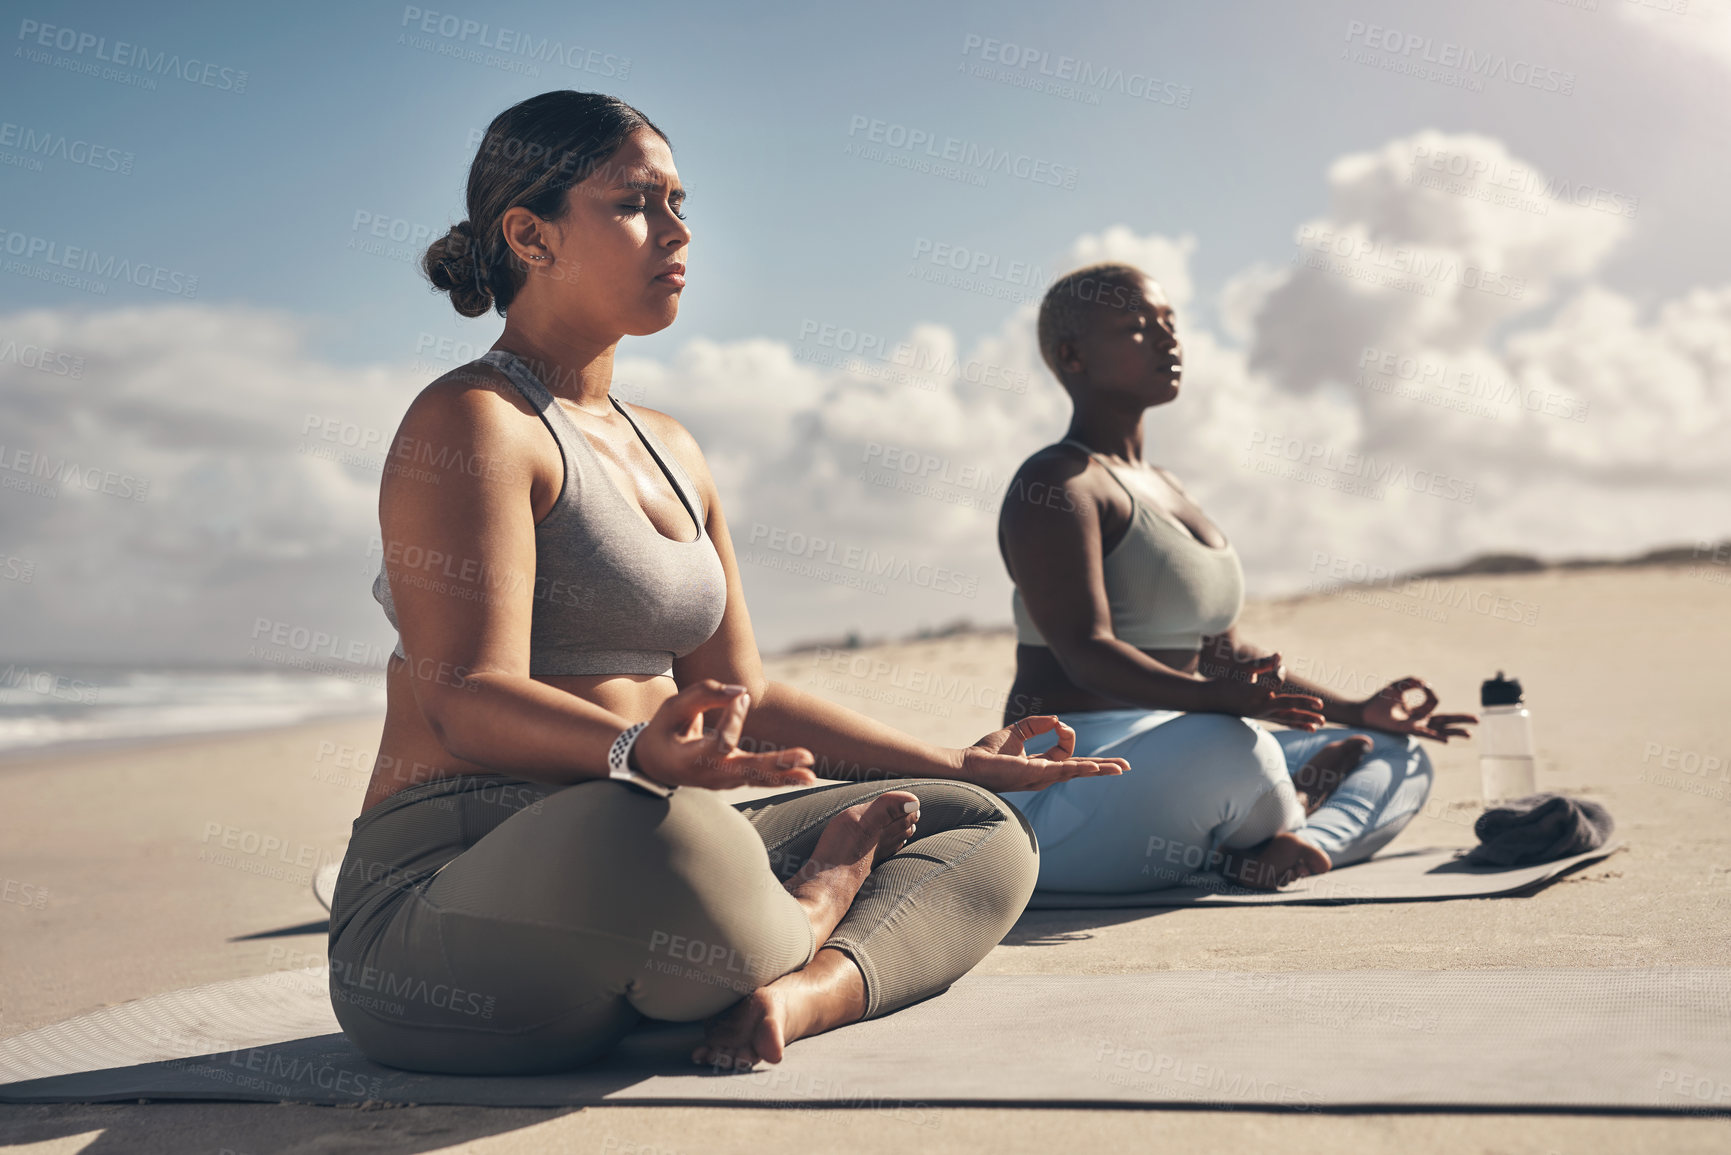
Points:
(896, 805)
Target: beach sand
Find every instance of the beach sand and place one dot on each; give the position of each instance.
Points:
(127, 872)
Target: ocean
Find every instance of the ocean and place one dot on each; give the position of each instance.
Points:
(45, 705)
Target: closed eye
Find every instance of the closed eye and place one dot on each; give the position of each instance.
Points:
(677, 207)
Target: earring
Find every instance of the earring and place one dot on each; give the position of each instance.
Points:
(534, 257)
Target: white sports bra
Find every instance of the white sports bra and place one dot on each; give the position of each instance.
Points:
(1166, 589)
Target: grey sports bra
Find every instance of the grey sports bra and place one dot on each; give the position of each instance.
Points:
(611, 595)
(1167, 590)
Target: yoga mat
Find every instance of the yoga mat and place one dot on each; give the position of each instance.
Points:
(1410, 876)
(1647, 1041)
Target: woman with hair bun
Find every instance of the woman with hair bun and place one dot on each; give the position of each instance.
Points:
(542, 859)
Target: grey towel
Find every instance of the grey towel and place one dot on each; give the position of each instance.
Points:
(1539, 828)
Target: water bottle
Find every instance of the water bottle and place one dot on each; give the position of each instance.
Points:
(1506, 763)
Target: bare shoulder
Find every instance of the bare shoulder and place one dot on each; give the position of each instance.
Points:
(1056, 462)
(476, 392)
(472, 420)
(1060, 468)
(1057, 479)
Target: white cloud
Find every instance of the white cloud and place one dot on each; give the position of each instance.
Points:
(220, 408)
(1431, 243)
(1693, 29)
(1166, 259)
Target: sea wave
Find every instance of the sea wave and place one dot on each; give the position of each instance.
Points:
(45, 704)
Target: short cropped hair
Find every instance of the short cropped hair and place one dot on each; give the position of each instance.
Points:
(1074, 295)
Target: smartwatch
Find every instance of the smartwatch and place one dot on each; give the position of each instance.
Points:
(619, 763)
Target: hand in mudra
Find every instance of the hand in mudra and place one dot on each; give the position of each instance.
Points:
(998, 763)
(1253, 688)
(1388, 709)
(676, 750)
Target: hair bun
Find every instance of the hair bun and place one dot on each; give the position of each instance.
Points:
(453, 264)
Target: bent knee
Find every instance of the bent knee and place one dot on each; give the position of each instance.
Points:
(946, 804)
(688, 841)
(1405, 751)
(1223, 747)
(1005, 857)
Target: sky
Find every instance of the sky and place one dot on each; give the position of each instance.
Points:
(1452, 278)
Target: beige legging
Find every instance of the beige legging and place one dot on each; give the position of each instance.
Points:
(486, 924)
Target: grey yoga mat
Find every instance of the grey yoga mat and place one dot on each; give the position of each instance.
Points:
(1650, 1041)
(1405, 876)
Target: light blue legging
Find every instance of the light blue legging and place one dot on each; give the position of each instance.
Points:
(1202, 783)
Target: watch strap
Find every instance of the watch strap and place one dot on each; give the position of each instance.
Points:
(619, 762)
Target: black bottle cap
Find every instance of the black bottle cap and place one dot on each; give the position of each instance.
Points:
(1500, 691)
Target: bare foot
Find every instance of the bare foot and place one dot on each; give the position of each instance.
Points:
(854, 841)
(826, 993)
(1328, 768)
(1271, 865)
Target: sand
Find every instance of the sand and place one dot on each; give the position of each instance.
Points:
(130, 871)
